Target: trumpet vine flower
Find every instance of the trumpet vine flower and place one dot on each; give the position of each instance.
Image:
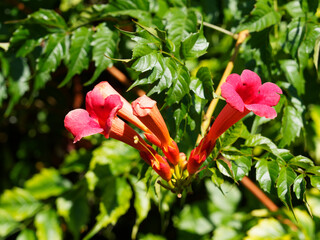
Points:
(243, 94)
(147, 111)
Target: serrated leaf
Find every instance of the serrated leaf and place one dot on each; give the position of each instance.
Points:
(48, 18)
(180, 114)
(294, 9)
(104, 43)
(47, 183)
(295, 34)
(216, 177)
(55, 50)
(142, 49)
(293, 75)
(180, 85)
(301, 161)
(7, 223)
(180, 23)
(115, 202)
(202, 86)
(262, 16)
(224, 168)
(27, 234)
(19, 203)
(284, 182)
(146, 62)
(194, 46)
(314, 170)
(232, 134)
(79, 53)
(18, 81)
(292, 124)
(241, 167)
(48, 225)
(266, 174)
(265, 143)
(299, 186)
(315, 181)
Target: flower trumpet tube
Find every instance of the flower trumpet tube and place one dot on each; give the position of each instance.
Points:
(243, 94)
(147, 111)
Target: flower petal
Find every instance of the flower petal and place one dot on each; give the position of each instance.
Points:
(80, 124)
(234, 79)
(269, 94)
(262, 110)
(248, 89)
(232, 97)
(103, 109)
(142, 106)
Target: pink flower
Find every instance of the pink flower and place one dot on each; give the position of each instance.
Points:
(97, 118)
(243, 94)
(147, 111)
(100, 117)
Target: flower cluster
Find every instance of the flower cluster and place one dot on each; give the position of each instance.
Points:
(105, 109)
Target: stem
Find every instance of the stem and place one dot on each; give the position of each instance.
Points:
(172, 57)
(207, 117)
(220, 29)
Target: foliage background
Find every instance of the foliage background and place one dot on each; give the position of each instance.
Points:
(52, 53)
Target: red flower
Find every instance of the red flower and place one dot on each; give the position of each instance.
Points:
(147, 111)
(243, 94)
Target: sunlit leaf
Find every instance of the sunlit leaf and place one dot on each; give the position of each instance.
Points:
(104, 44)
(47, 183)
(19, 203)
(203, 85)
(7, 223)
(27, 234)
(301, 161)
(48, 225)
(194, 46)
(299, 186)
(267, 173)
(262, 16)
(241, 167)
(315, 181)
(284, 182)
(80, 51)
(49, 18)
(291, 126)
(268, 228)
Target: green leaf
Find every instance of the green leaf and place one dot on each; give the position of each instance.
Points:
(141, 204)
(180, 84)
(224, 168)
(193, 220)
(56, 49)
(314, 170)
(19, 203)
(115, 202)
(315, 181)
(293, 75)
(104, 44)
(216, 177)
(316, 53)
(18, 82)
(241, 167)
(180, 23)
(74, 208)
(262, 16)
(7, 223)
(294, 9)
(203, 84)
(295, 34)
(194, 46)
(285, 180)
(47, 183)
(233, 133)
(27, 234)
(48, 18)
(48, 225)
(269, 228)
(117, 156)
(299, 186)
(301, 161)
(264, 143)
(79, 53)
(267, 173)
(291, 125)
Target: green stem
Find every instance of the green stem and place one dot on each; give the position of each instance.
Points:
(220, 29)
(172, 57)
